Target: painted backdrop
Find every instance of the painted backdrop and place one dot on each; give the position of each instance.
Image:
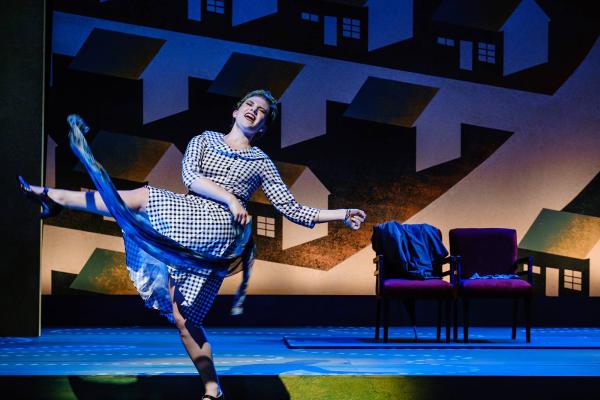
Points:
(456, 113)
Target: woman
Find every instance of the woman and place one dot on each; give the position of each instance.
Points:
(210, 225)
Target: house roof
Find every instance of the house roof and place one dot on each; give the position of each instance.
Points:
(289, 174)
(243, 73)
(116, 54)
(562, 233)
(142, 154)
(488, 15)
(588, 200)
(390, 102)
(104, 272)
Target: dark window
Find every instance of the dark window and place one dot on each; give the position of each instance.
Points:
(215, 6)
(351, 28)
(310, 17)
(445, 41)
(486, 52)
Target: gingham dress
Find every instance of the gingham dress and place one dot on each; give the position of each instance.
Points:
(205, 225)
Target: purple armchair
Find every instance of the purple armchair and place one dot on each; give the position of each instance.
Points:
(490, 252)
(392, 286)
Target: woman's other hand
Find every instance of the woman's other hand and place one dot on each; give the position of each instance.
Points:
(240, 215)
(354, 218)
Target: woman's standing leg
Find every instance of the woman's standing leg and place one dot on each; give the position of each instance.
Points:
(198, 348)
(136, 199)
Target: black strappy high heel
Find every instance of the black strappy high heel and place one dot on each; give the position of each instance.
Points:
(221, 396)
(209, 397)
(50, 208)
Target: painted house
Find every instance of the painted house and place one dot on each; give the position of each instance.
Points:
(104, 272)
(245, 72)
(274, 231)
(490, 38)
(390, 102)
(221, 13)
(351, 25)
(106, 79)
(148, 160)
(566, 253)
(402, 105)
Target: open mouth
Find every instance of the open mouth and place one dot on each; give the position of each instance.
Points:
(250, 117)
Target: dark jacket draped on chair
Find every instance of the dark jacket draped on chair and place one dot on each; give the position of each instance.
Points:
(410, 247)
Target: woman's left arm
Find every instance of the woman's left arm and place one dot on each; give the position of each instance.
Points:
(352, 217)
(281, 198)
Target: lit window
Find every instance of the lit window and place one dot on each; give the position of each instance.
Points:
(573, 279)
(265, 226)
(486, 52)
(534, 268)
(215, 6)
(445, 41)
(310, 17)
(351, 28)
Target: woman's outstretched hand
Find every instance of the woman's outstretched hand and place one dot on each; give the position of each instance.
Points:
(354, 218)
(240, 215)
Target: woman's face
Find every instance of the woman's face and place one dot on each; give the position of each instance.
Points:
(251, 116)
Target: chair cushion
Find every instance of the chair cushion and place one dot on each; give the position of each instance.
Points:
(494, 287)
(416, 288)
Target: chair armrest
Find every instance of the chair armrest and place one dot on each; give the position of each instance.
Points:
(452, 271)
(379, 272)
(525, 260)
(447, 260)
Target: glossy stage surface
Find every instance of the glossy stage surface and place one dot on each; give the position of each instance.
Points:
(344, 356)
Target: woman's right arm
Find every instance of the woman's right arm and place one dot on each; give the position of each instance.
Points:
(195, 181)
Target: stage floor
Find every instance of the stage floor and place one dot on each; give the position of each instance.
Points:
(139, 351)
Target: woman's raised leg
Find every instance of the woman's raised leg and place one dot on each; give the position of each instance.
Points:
(136, 199)
(199, 350)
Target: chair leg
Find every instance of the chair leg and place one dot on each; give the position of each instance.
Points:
(386, 319)
(455, 320)
(377, 317)
(438, 333)
(409, 305)
(465, 320)
(515, 314)
(528, 319)
(448, 306)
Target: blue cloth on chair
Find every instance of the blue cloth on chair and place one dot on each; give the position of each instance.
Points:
(413, 247)
(494, 276)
